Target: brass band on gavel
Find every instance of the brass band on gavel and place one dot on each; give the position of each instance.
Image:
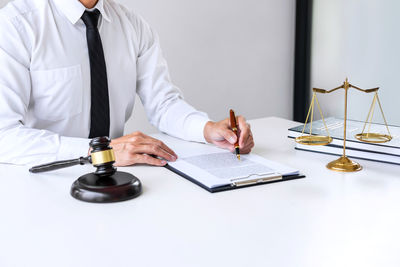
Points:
(102, 157)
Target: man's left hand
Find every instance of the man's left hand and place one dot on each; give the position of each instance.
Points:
(221, 134)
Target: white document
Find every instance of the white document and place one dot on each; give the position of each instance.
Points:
(215, 167)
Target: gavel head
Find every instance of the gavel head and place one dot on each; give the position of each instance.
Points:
(102, 156)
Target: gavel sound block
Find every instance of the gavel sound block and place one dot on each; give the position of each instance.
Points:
(104, 185)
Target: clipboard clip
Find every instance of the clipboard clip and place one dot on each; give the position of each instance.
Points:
(245, 181)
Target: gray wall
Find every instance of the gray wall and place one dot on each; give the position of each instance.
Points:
(225, 54)
(357, 39)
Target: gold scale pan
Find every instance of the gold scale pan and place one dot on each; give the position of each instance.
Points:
(344, 164)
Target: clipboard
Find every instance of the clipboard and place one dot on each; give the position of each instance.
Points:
(237, 185)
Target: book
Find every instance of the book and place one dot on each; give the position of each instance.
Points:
(216, 169)
(335, 127)
(352, 153)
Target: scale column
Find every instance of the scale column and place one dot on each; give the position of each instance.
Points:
(344, 164)
(346, 89)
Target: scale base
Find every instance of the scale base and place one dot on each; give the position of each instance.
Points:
(344, 164)
(106, 189)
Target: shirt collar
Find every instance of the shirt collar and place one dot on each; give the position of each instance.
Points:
(73, 9)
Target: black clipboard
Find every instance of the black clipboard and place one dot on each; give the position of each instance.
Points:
(230, 186)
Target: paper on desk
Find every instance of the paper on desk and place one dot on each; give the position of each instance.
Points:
(214, 167)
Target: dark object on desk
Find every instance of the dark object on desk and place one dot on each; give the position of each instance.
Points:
(60, 164)
(106, 184)
(114, 188)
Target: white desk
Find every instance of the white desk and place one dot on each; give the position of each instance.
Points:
(326, 219)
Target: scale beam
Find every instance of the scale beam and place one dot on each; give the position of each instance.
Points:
(324, 91)
(372, 90)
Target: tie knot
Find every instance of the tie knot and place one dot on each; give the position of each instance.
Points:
(91, 18)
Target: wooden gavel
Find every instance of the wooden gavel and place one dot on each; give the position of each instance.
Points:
(101, 157)
(104, 185)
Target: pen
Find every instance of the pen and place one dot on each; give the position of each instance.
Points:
(235, 130)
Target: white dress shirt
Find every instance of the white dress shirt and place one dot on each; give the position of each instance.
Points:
(45, 80)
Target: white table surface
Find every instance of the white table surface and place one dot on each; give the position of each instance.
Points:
(326, 219)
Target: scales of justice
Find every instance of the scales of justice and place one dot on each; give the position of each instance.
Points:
(344, 164)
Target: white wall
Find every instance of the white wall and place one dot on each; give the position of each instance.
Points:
(225, 54)
(358, 39)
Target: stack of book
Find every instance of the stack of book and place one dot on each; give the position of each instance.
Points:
(384, 152)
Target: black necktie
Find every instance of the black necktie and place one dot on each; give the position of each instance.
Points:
(99, 108)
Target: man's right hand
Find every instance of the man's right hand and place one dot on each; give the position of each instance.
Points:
(140, 148)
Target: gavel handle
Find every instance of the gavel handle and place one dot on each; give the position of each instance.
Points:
(60, 164)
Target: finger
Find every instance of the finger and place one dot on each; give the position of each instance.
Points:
(122, 155)
(248, 140)
(225, 144)
(228, 135)
(167, 150)
(245, 131)
(151, 140)
(152, 149)
(248, 147)
(146, 159)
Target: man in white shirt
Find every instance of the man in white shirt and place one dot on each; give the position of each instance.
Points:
(53, 65)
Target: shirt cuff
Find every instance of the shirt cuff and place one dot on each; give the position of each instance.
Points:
(195, 125)
(72, 147)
